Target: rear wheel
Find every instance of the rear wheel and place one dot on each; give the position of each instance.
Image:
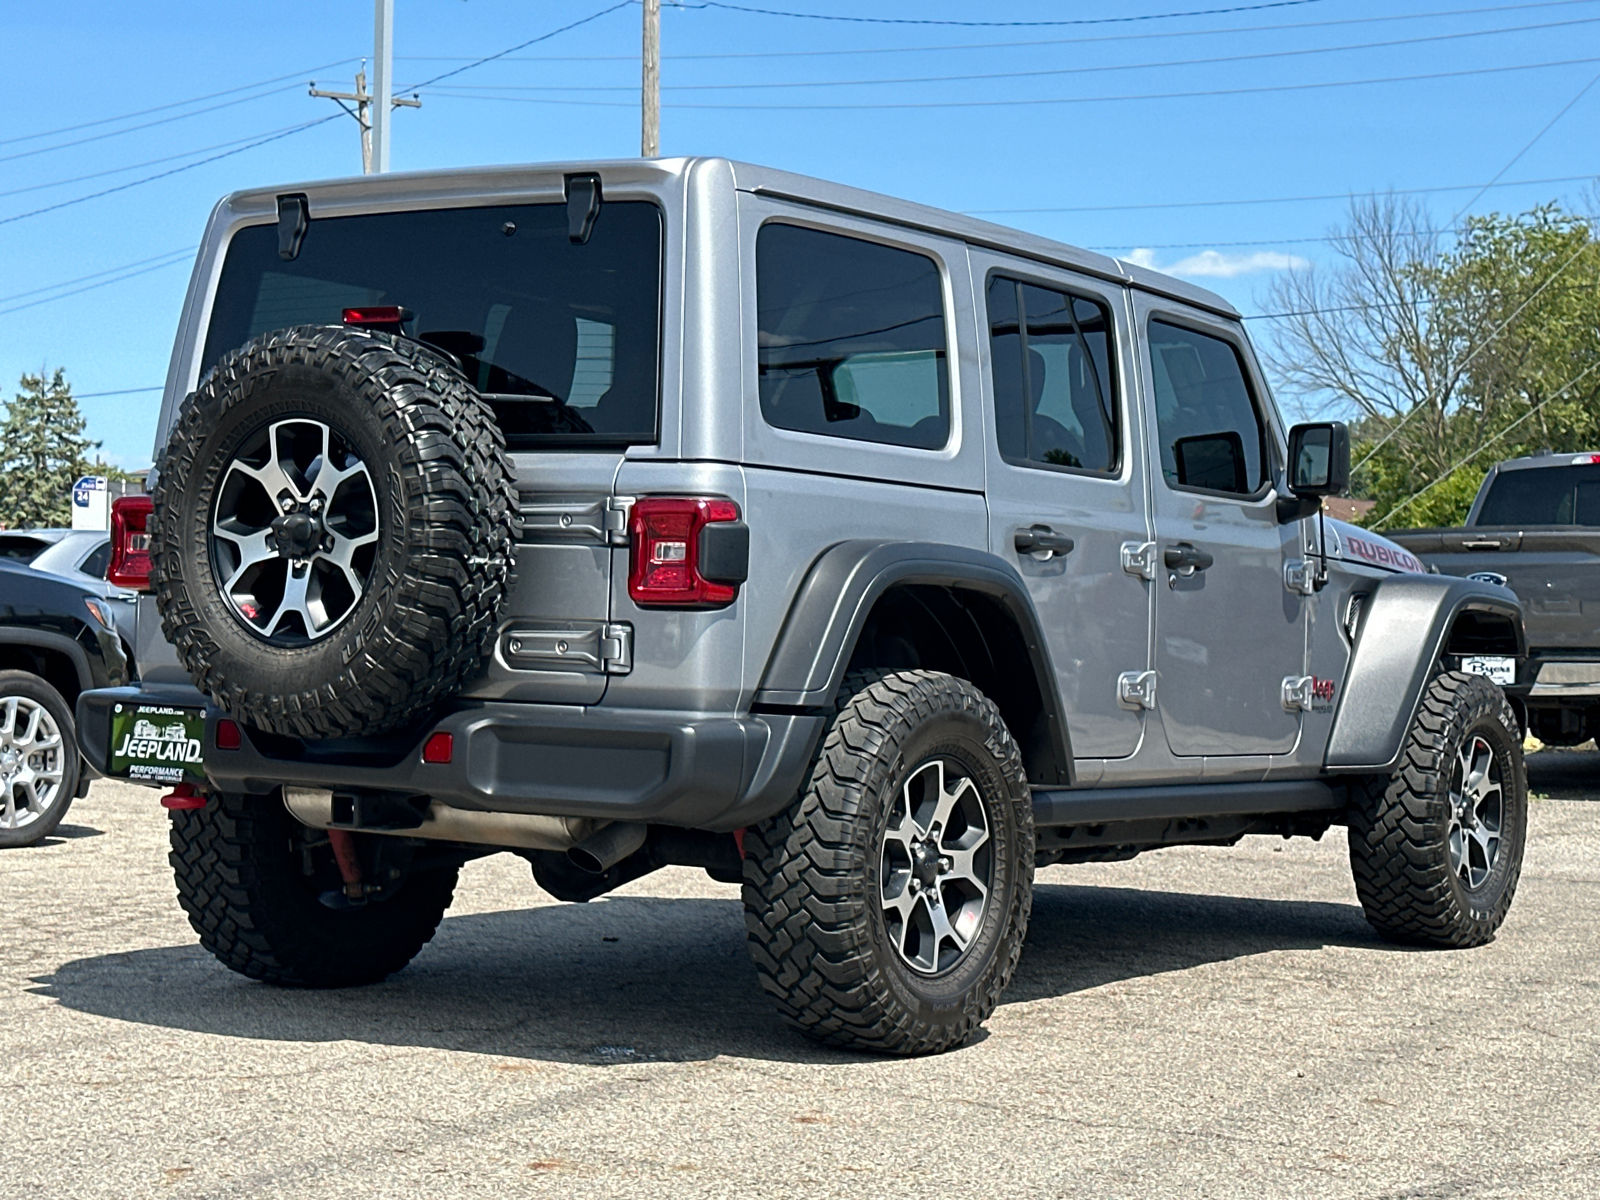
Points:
(887, 909)
(262, 892)
(38, 759)
(1436, 847)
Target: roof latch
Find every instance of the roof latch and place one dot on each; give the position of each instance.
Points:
(583, 206)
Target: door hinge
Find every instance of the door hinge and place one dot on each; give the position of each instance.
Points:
(1304, 576)
(1136, 689)
(617, 511)
(1297, 693)
(616, 649)
(1139, 558)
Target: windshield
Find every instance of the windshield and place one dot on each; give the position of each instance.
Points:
(561, 338)
(1543, 496)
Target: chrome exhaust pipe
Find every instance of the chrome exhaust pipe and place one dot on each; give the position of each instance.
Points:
(523, 831)
(606, 848)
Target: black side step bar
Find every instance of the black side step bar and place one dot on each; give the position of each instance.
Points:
(1098, 806)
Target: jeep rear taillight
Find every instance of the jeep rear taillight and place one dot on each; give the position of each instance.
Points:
(130, 542)
(687, 552)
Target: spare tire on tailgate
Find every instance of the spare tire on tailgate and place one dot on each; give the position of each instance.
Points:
(333, 531)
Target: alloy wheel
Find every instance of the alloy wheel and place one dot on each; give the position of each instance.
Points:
(294, 535)
(32, 763)
(936, 867)
(1477, 804)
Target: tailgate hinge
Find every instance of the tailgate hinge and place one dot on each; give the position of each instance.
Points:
(616, 522)
(616, 649)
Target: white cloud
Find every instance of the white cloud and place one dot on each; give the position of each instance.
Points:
(1212, 264)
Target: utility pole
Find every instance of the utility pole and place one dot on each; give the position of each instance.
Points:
(382, 81)
(372, 110)
(362, 111)
(650, 99)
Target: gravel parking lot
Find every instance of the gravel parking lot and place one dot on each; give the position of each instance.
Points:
(1194, 1023)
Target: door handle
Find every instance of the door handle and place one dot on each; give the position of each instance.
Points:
(1042, 540)
(1186, 559)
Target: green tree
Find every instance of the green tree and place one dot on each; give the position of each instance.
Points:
(42, 453)
(1447, 359)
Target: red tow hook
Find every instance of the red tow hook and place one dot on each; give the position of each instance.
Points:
(182, 798)
(344, 853)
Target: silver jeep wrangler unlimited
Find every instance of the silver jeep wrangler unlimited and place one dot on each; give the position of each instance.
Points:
(688, 512)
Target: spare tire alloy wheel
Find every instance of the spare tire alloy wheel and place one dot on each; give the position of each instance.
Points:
(293, 538)
(38, 759)
(333, 535)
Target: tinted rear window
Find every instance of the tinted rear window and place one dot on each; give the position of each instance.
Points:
(21, 549)
(1544, 496)
(851, 338)
(562, 339)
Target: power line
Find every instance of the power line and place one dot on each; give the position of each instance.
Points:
(143, 112)
(543, 37)
(1583, 91)
(118, 392)
(979, 104)
(1054, 71)
(50, 287)
(1201, 12)
(1071, 41)
(39, 187)
(89, 287)
(122, 187)
(1457, 187)
(100, 137)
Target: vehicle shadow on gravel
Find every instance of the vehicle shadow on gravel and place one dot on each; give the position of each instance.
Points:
(1565, 774)
(549, 983)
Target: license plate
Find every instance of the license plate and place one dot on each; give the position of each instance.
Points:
(1498, 670)
(153, 743)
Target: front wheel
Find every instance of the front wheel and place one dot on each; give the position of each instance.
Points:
(1436, 846)
(887, 908)
(38, 759)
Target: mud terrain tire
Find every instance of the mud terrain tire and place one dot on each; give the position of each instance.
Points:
(441, 499)
(240, 866)
(1401, 825)
(817, 876)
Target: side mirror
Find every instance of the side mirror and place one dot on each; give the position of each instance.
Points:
(1319, 460)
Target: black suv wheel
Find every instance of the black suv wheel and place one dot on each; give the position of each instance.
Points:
(887, 908)
(1436, 847)
(38, 759)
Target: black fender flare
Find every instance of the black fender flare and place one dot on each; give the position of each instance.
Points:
(831, 606)
(45, 639)
(1405, 624)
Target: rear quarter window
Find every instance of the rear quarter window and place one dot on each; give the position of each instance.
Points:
(1544, 496)
(851, 338)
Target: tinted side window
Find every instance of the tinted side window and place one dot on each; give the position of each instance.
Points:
(850, 339)
(1053, 397)
(96, 565)
(1212, 437)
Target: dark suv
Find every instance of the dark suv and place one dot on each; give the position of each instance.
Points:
(57, 639)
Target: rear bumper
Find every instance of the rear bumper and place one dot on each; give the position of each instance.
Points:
(699, 772)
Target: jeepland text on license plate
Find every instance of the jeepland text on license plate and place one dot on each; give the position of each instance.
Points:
(156, 744)
(1499, 670)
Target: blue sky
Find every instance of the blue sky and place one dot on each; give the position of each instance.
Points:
(1136, 177)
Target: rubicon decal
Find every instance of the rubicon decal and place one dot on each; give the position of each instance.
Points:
(1381, 554)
